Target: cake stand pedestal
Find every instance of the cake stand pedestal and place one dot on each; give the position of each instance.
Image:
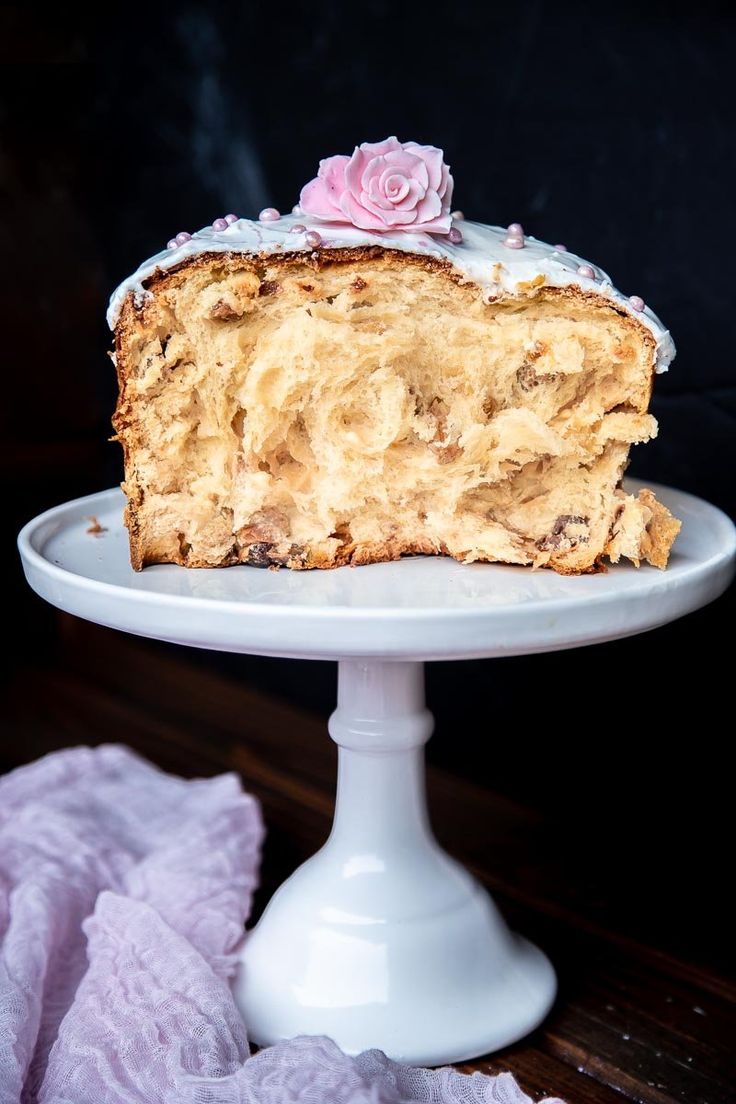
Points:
(381, 939)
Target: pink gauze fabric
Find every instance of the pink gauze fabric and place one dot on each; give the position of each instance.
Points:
(123, 894)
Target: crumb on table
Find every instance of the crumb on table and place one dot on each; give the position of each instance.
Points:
(95, 528)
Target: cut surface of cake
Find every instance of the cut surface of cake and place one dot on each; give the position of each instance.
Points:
(308, 391)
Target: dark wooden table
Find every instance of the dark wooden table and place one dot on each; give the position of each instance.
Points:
(630, 1020)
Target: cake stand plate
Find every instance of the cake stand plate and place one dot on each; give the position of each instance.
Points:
(381, 939)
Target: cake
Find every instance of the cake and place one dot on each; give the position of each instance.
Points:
(373, 376)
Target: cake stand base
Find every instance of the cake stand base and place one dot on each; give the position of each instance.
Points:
(381, 936)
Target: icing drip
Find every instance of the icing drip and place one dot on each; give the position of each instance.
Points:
(482, 256)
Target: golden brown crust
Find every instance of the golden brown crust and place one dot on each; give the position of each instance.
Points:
(133, 315)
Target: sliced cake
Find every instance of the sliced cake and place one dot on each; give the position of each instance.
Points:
(371, 377)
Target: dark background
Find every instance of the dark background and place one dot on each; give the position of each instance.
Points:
(608, 129)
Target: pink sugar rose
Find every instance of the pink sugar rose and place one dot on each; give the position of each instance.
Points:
(384, 186)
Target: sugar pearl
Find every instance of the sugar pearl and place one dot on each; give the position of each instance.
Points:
(172, 243)
(637, 302)
(514, 236)
(458, 216)
(296, 209)
(182, 237)
(586, 270)
(297, 228)
(269, 214)
(313, 239)
(454, 235)
(219, 224)
(561, 248)
(230, 219)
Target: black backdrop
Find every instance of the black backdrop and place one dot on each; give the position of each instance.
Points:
(608, 128)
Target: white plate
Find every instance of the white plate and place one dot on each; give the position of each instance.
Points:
(416, 608)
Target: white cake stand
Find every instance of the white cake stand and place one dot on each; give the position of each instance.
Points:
(381, 939)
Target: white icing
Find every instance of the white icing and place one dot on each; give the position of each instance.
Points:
(481, 258)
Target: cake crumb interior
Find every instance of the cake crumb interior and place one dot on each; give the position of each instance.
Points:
(308, 416)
